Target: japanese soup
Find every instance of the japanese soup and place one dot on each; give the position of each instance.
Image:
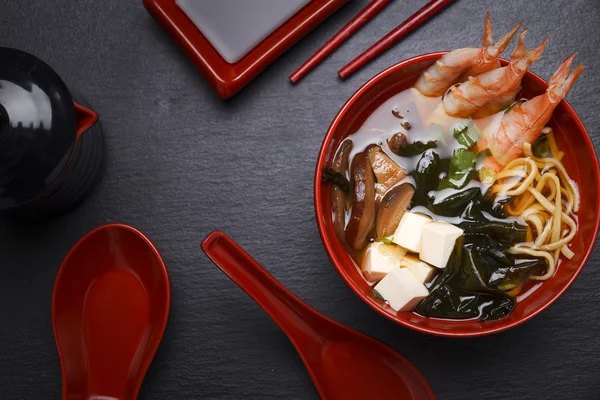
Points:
(451, 197)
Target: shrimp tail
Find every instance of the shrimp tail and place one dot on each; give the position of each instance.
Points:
(572, 78)
(488, 33)
(562, 82)
(561, 74)
(503, 43)
(524, 122)
(520, 52)
(536, 53)
(456, 66)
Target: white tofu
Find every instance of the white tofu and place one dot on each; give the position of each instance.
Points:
(409, 231)
(438, 242)
(420, 269)
(401, 289)
(380, 259)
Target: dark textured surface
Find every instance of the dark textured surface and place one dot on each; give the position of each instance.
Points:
(182, 162)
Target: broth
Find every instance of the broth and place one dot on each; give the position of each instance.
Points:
(427, 121)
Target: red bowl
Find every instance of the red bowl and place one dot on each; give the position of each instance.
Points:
(572, 138)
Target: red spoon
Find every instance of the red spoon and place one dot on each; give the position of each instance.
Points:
(110, 306)
(343, 363)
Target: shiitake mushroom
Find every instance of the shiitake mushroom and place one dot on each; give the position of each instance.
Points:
(362, 215)
(392, 208)
(397, 142)
(338, 197)
(387, 172)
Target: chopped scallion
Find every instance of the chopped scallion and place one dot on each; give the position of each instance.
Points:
(466, 133)
(437, 132)
(387, 240)
(462, 169)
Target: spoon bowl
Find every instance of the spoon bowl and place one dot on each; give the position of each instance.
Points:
(110, 307)
(343, 363)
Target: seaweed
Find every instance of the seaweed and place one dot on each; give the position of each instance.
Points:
(427, 177)
(456, 203)
(414, 148)
(462, 291)
(479, 272)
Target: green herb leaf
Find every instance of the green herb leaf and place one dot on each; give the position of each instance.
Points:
(462, 169)
(416, 148)
(330, 175)
(376, 294)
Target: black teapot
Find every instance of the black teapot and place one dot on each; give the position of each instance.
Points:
(51, 148)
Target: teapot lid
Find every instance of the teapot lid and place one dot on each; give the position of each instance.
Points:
(37, 126)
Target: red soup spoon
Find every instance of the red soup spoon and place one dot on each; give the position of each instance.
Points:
(343, 363)
(109, 310)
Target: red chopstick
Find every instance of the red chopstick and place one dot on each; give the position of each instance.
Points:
(412, 23)
(351, 27)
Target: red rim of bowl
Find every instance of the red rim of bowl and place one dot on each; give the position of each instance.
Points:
(154, 349)
(337, 262)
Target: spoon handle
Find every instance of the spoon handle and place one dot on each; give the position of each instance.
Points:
(298, 320)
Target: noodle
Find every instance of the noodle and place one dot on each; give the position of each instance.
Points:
(545, 198)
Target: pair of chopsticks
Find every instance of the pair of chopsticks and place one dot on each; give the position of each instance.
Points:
(412, 23)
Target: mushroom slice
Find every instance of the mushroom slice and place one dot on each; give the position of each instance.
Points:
(397, 142)
(387, 172)
(362, 215)
(338, 196)
(391, 210)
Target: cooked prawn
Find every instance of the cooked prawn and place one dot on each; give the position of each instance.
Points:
(509, 97)
(524, 122)
(486, 42)
(468, 97)
(444, 73)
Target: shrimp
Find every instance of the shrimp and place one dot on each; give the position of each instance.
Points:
(444, 73)
(524, 122)
(468, 97)
(486, 42)
(509, 97)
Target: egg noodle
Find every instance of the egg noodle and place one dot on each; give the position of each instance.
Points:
(546, 198)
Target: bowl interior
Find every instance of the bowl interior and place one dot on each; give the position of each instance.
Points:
(572, 138)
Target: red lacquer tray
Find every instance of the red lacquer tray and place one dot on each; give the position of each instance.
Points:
(225, 78)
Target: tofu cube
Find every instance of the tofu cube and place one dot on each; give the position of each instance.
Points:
(401, 289)
(420, 269)
(438, 242)
(380, 259)
(409, 231)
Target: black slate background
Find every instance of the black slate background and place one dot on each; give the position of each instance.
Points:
(182, 162)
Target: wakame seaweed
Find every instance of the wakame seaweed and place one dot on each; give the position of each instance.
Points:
(331, 175)
(462, 291)
(479, 271)
(456, 203)
(427, 177)
(505, 233)
(415, 148)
